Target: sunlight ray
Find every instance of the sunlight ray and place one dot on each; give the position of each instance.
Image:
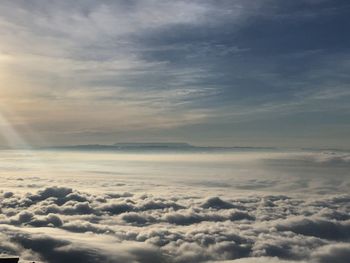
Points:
(11, 136)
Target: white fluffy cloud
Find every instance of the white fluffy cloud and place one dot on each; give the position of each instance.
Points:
(59, 224)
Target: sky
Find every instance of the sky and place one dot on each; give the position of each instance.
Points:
(235, 72)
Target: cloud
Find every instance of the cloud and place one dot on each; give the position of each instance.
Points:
(193, 216)
(258, 260)
(334, 158)
(217, 203)
(317, 227)
(57, 224)
(59, 250)
(336, 253)
(51, 220)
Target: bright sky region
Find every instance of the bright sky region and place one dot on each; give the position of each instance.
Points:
(235, 72)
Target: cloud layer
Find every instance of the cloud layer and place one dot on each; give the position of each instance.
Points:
(240, 206)
(60, 224)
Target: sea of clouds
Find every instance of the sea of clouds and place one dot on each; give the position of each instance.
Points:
(89, 207)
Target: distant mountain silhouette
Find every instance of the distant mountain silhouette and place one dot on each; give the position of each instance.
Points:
(152, 146)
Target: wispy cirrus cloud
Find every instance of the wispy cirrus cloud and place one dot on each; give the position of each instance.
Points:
(178, 59)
